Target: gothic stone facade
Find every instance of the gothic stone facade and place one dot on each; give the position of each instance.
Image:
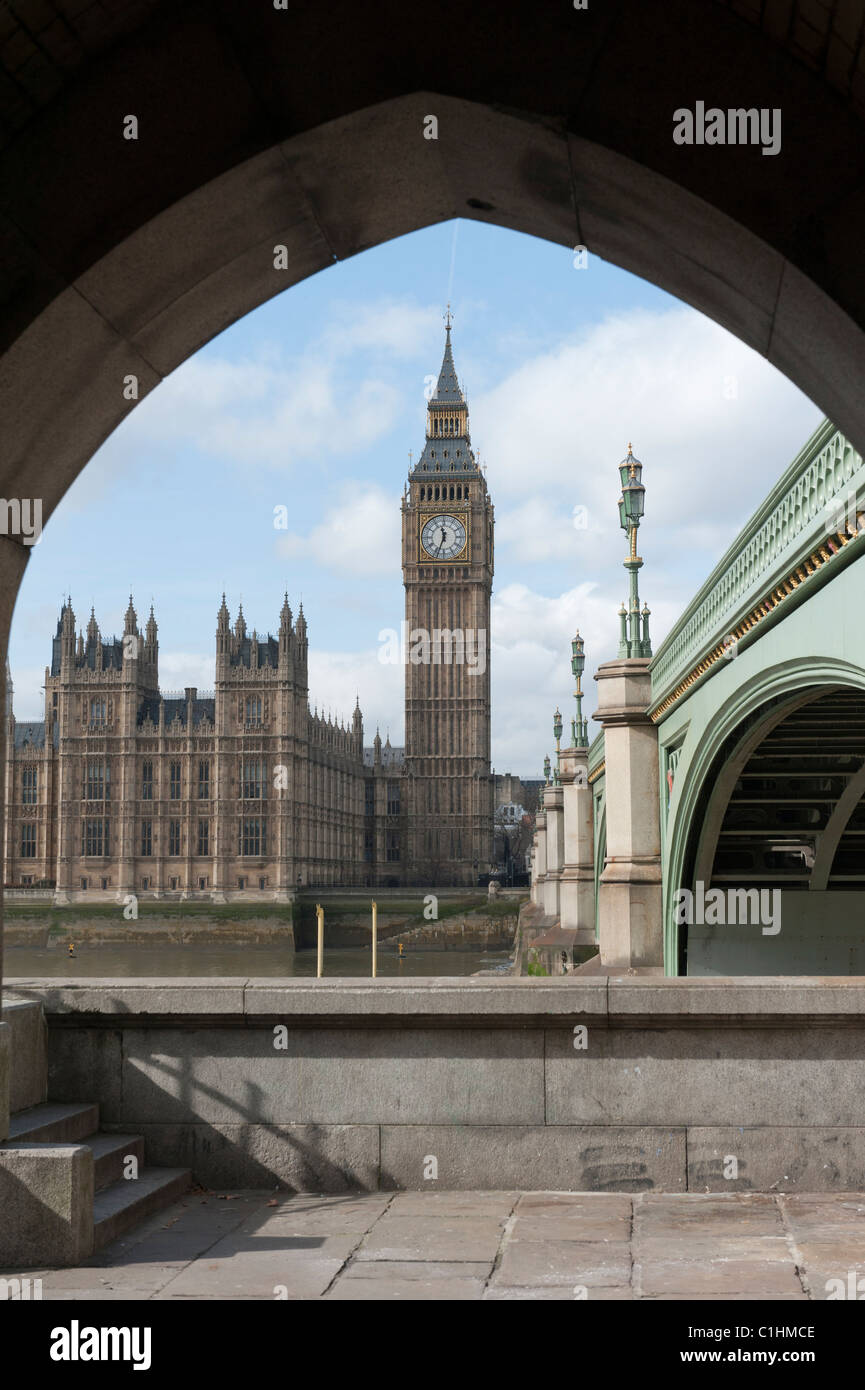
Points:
(246, 791)
(242, 792)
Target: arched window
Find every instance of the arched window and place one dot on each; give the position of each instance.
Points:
(459, 490)
(452, 492)
(467, 491)
(437, 494)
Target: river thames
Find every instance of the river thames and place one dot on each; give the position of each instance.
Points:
(253, 959)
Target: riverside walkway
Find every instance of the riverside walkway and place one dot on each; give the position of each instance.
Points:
(479, 1245)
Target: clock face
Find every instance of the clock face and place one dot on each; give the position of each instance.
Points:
(443, 537)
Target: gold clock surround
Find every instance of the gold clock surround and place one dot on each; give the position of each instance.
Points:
(424, 516)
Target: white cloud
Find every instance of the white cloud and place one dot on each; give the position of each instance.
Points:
(335, 678)
(530, 664)
(274, 410)
(540, 530)
(361, 534)
(268, 416)
(177, 670)
(555, 429)
(387, 325)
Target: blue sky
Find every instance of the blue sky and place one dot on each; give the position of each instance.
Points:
(314, 402)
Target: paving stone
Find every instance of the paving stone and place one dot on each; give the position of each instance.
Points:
(750, 1278)
(707, 1245)
(456, 1203)
(326, 1215)
(547, 1226)
(825, 1260)
(306, 1266)
(727, 1297)
(825, 1217)
(431, 1291)
(138, 1275)
(756, 1214)
(591, 1263)
(847, 1250)
(576, 1204)
(411, 1280)
(433, 1238)
(442, 1246)
(564, 1293)
(99, 1295)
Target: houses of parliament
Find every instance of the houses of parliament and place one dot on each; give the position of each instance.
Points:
(245, 791)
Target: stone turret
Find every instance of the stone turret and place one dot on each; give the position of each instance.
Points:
(151, 644)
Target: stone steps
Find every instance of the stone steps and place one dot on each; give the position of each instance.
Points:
(102, 1205)
(110, 1152)
(124, 1204)
(54, 1124)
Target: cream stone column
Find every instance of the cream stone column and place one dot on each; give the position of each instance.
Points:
(577, 891)
(553, 798)
(540, 856)
(630, 929)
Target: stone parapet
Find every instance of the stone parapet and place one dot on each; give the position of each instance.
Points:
(368, 1076)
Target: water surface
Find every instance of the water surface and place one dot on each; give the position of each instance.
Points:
(172, 958)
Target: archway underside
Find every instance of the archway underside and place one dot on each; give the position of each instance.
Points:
(785, 893)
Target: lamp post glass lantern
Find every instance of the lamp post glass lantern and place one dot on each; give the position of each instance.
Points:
(634, 623)
(579, 728)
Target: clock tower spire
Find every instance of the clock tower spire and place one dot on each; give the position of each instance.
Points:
(447, 555)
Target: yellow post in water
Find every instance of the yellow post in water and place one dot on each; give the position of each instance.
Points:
(319, 968)
(374, 939)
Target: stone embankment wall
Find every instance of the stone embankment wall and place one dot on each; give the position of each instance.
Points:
(472, 933)
(149, 931)
(471, 917)
(616, 1084)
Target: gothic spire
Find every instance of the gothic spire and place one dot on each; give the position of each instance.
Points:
(448, 444)
(448, 389)
(130, 624)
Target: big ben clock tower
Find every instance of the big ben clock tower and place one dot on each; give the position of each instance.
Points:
(447, 561)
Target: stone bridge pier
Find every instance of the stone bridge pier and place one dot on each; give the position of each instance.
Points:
(630, 927)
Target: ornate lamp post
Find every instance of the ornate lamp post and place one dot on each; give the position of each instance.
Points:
(557, 735)
(547, 769)
(579, 729)
(632, 642)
